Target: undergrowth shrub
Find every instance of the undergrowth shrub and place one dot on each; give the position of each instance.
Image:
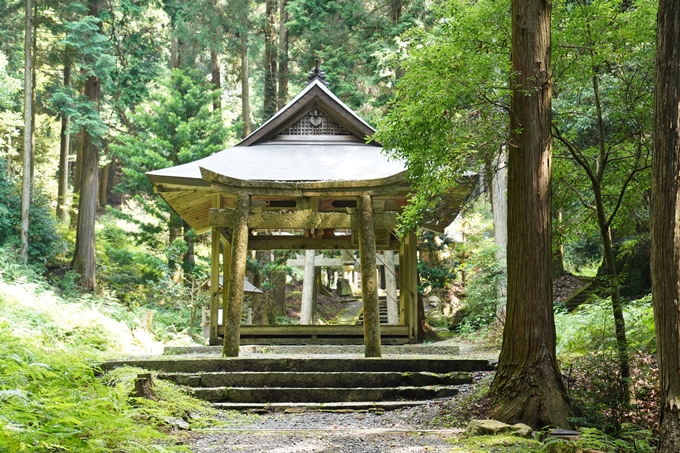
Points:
(44, 240)
(586, 344)
(51, 399)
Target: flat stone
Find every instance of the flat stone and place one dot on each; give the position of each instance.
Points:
(271, 364)
(321, 407)
(319, 395)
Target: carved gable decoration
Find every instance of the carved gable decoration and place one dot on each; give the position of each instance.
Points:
(316, 122)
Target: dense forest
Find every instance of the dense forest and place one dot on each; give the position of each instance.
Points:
(572, 222)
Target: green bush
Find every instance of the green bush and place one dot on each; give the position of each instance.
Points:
(44, 241)
(586, 344)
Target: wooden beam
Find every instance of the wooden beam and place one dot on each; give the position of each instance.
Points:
(298, 330)
(369, 284)
(306, 243)
(305, 219)
(232, 321)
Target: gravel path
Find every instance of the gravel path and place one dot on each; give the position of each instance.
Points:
(352, 432)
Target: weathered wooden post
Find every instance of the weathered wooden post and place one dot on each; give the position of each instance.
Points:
(227, 238)
(369, 284)
(214, 277)
(232, 319)
(308, 289)
(391, 288)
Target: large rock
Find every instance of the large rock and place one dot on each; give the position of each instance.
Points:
(493, 427)
(344, 288)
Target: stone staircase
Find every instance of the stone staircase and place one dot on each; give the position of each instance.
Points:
(382, 305)
(321, 382)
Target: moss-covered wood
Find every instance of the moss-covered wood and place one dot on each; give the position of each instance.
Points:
(369, 284)
(391, 288)
(232, 321)
(302, 219)
(214, 277)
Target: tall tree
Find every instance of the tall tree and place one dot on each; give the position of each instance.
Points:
(64, 149)
(86, 37)
(270, 60)
(28, 131)
(665, 221)
(282, 97)
(528, 386)
(243, 12)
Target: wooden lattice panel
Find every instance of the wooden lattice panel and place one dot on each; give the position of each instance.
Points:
(316, 122)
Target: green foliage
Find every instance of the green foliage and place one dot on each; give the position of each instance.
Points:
(433, 274)
(10, 118)
(450, 108)
(125, 268)
(631, 439)
(44, 241)
(175, 127)
(586, 344)
(483, 272)
(591, 327)
(353, 40)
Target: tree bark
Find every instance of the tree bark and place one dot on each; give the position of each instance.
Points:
(245, 74)
(84, 254)
(665, 221)
(64, 149)
(369, 286)
(232, 317)
(216, 79)
(528, 387)
(77, 173)
(558, 252)
(104, 186)
(28, 132)
(283, 55)
(270, 59)
(499, 210)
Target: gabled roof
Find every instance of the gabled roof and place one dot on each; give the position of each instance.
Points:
(315, 94)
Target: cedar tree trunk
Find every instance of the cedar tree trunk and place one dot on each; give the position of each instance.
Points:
(84, 254)
(283, 55)
(528, 387)
(64, 149)
(28, 132)
(269, 59)
(665, 224)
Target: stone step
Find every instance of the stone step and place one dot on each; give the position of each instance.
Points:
(321, 365)
(415, 349)
(317, 380)
(319, 395)
(321, 407)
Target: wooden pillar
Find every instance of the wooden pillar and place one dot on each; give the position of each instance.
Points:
(403, 320)
(239, 244)
(408, 283)
(214, 277)
(391, 288)
(308, 289)
(369, 284)
(412, 276)
(226, 273)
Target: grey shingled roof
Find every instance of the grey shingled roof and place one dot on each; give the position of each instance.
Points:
(292, 162)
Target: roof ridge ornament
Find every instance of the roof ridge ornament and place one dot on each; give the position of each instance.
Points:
(317, 73)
